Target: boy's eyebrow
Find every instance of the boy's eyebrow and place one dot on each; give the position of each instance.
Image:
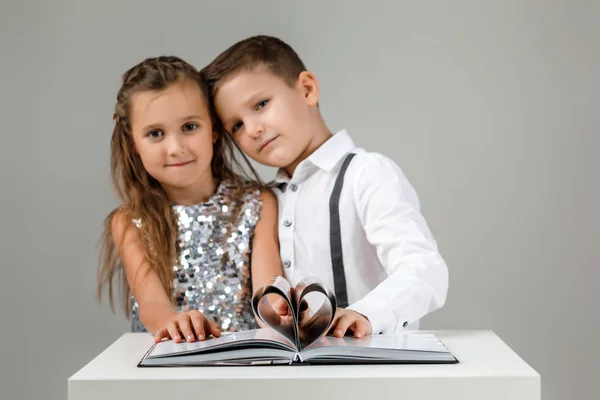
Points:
(250, 100)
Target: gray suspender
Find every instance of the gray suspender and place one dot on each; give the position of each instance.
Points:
(335, 236)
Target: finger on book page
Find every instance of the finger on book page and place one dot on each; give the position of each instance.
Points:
(185, 325)
(361, 328)
(173, 329)
(334, 323)
(212, 327)
(161, 334)
(198, 324)
(342, 325)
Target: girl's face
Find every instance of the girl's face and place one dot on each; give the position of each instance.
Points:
(173, 134)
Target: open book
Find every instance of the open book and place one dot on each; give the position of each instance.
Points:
(298, 337)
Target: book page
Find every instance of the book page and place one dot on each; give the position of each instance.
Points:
(270, 304)
(417, 347)
(251, 338)
(313, 323)
(407, 341)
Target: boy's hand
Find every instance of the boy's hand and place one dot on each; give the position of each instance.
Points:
(348, 320)
(191, 325)
(281, 307)
(284, 312)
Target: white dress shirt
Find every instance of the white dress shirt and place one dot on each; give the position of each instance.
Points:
(394, 272)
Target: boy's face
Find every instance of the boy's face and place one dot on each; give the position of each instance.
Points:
(270, 121)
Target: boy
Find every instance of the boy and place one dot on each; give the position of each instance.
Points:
(346, 216)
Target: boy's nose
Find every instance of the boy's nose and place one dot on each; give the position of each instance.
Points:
(255, 129)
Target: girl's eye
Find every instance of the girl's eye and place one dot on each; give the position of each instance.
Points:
(155, 134)
(261, 104)
(190, 127)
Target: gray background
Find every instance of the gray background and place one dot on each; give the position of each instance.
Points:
(489, 107)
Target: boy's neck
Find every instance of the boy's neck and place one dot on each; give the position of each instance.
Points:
(323, 134)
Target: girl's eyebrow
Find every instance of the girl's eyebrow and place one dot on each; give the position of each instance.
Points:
(193, 116)
(158, 124)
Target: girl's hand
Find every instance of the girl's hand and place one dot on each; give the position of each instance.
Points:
(191, 325)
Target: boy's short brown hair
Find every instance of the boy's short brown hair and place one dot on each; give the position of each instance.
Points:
(256, 51)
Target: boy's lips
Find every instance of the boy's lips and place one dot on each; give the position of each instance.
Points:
(266, 143)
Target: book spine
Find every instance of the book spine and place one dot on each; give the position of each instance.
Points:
(297, 359)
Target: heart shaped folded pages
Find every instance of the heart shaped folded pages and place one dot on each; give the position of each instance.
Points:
(288, 310)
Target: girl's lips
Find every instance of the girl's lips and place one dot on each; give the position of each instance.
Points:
(181, 164)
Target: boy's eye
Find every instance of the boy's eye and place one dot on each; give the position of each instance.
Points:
(261, 104)
(235, 127)
(190, 127)
(155, 134)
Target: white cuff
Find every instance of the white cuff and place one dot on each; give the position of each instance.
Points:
(382, 320)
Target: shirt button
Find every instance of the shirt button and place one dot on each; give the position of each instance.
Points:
(293, 187)
(287, 223)
(287, 263)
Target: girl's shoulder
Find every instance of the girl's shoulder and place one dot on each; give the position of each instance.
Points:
(247, 199)
(121, 223)
(242, 190)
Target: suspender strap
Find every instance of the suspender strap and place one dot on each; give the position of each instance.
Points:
(335, 236)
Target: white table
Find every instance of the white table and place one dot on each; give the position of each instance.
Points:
(488, 370)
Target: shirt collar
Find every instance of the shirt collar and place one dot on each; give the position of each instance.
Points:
(326, 156)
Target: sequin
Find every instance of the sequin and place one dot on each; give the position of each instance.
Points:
(203, 280)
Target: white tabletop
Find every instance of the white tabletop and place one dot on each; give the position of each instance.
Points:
(487, 367)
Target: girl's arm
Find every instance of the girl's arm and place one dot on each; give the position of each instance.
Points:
(155, 308)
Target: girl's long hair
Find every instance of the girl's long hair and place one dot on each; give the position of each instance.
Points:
(143, 198)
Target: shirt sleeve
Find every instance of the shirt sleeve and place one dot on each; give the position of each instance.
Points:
(389, 211)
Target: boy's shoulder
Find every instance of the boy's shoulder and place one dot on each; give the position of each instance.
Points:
(371, 175)
(371, 163)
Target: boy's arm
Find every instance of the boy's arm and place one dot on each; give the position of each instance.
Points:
(266, 264)
(389, 211)
(265, 261)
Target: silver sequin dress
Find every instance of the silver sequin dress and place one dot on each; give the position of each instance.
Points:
(201, 278)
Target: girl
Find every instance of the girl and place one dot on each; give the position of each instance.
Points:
(191, 237)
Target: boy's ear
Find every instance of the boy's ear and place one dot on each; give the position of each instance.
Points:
(308, 84)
